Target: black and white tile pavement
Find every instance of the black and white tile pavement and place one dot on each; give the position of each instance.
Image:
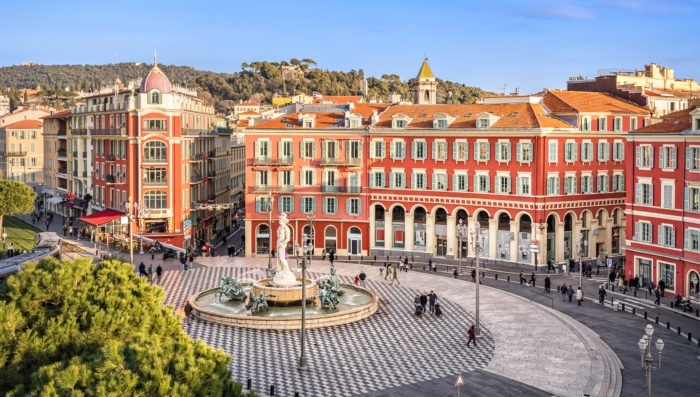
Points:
(390, 349)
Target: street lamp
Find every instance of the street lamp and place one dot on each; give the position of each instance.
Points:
(308, 249)
(270, 200)
(4, 239)
(648, 364)
(476, 234)
(130, 206)
(461, 234)
(580, 243)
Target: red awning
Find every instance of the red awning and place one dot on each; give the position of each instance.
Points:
(102, 217)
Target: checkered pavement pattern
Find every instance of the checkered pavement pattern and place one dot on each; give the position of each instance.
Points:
(391, 348)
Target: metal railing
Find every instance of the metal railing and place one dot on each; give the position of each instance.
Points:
(152, 160)
(273, 161)
(109, 131)
(335, 161)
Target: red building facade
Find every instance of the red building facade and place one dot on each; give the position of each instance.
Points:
(663, 203)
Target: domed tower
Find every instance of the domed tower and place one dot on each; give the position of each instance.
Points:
(425, 88)
(155, 85)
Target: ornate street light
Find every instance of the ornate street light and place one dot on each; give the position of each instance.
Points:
(308, 249)
(476, 236)
(648, 364)
(462, 231)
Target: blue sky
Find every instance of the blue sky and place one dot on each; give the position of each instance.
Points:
(530, 44)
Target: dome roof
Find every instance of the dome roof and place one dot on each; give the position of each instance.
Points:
(156, 80)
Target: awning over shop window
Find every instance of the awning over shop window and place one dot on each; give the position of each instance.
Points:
(55, 200)
(102, 217)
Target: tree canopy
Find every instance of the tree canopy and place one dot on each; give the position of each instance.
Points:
(15, 198)
(78, 328)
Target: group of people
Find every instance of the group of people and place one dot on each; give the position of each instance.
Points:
(149, 273)
(391, 273)
(360, 278)
(403, 263)
(530, 282)
(569, 292)
(430, 299)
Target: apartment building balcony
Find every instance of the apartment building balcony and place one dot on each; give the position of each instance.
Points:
(341, 189)
(271, 189)
(269, 161)
(61, 174)
(341, 162)
(61, 133)
(62, 153)
(79, 131)
(195, 179)
(109, 158)
(155, 182)
(155, 160)
(150, 213)
(196, 132)
(109, 132)
(110, 179)
(15, 154)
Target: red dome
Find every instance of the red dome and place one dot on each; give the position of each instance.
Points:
(156, 80)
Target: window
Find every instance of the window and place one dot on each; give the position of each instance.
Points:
(618, 183)
(439, 181)
(692, 240)
(397, 179)
(483, 123)
(308, 177)
(523, 185)
(330, 150)
(261, 178)
(586, 184)
(603, 151)
(645, 156)
(285, 178)
(154, 97)
(154, 125)
(482, 151)
(667, 236)
(524, 150)
(460, 150)
(667, 195)
(667, 272)
(633, 123)
(286, 204)
(262, 204)
(459, 182)
(441, 123)
(502, 151)
(155, 151)
(602, 124)
(644, 194)
(667, 157)
(618, 151)
(155, 200)
(418, 180)
(439, 150)
(352, 206)
(330, 205)
(617, 124)
(570, 184)
(570, 152)
(308, 205)
(586, 123)
(262, 149)
(692, 158)
(552, 185)
(418, 149)
(400, 124)
(355, 149)
(692, 199)
(376, 179)
(308, 149)
(286, 150)
(587, 151)
(398, 150)
(642, 232)
(603, 183)
(481, 183)
(378, 149)
(553, 147)
(154, 176)
(503, 184)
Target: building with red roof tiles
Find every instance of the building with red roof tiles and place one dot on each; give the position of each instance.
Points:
(339, 99)
(22, 152)
(55, 188)
(663, 203)
(241, 107)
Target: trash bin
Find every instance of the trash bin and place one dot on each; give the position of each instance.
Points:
(616, 306)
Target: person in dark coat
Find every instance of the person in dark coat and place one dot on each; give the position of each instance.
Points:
(563, 290)
(547, 284)
(601, 295)
(142, 269)
(532, 279)
(522, 278)
(188, 311)
(473, 275)
(159, 273)
(570, 292)
(662, 287)
(432, 299)
(472, 336)
(423, 300)
(657, 293)
(331, 256)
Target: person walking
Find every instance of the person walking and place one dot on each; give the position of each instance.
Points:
(657, 293)
(562, 289)
(522, 278)
(570, 292)
(579, 295)
(601, 295)
(472, 336)
(363, 276)
(532, 279)
(331, 256)
(188, 311)
(455, 273)
(473, 275)
(159, 273)
(430, 264)
(547, 284)
(394, 276)
(432, 298)
(356, 281)
(65, 230)
(381, 271)
(142, 269)
(388, 272)
(423, 300)
(662, 287)
(405, 263)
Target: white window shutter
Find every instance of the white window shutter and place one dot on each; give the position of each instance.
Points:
(392, 151)
(674, 157)
(686, 200)
(660, 237)
(508, 155)
(518, 149)
(651, 156)
(638, 193)
(556, 185)
(392, 182)
(476, 183)
(662, 157)
(476, 150)
(575, 152)
(434, 181)
(466, 150)
(413, 150)
(347, 206)
(435, 150)
(488, 150)
(454, 151)
(508, 184)
(313, 204)
(651, 194)
(688, 158)
(637, 231)
(673, 237)
(498, 151)
(413, 180)
(488, 184)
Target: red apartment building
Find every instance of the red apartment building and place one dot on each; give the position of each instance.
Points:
(663, 203)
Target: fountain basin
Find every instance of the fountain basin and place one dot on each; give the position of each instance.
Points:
(284, 295)
(356, 304)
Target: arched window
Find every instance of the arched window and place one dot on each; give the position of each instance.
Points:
(427, 95)
(155, 97)
(156, 200)
(155, 152)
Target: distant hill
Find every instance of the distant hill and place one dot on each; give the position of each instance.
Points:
(260, 80)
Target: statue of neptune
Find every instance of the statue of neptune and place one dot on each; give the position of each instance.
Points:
(284, 276)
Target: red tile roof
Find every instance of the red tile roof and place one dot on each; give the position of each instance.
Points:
(671, 123)
(588, 102)
(249, 112)
(24, 124)
(61, 114)
(323, 120)
(339, 99)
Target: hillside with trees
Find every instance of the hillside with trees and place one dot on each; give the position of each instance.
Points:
(260, 80)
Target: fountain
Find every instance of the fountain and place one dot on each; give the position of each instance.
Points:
(275, 302)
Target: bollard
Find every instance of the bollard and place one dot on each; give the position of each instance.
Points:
(657, 319)
(679, 330)
(250, 384)
(612, 301)
(508, 278)
(635, 293)
(375, 257)
(495, 276)
(272, 390)
(690, 336)
(645, 314)
(623, 307)
(697, 312)
(634, 312)
(668, 325)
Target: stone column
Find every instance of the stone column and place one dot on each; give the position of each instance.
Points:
(249, 232)
(559, 238)
(408, 231)
(576, 248)
(430, 234)
(388, 232)
(451, 237)
(372, 230)
(493, 238)
(541, 236)
(514, 251)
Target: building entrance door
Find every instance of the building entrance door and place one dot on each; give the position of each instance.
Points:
(441, 246)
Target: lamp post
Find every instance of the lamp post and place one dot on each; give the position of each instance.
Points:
(270, 200)
(461, 234)
(4, 240)
(308, 250)
(580, 243)
(648, 364)
(476, 235)
(130, 206)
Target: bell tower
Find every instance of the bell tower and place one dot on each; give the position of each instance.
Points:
(425, 88)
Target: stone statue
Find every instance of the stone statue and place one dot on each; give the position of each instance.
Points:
(284, 276)
(327, 292)
(231, 288)
(257, 304)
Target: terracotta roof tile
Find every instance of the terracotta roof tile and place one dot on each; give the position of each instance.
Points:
(58, 114)
(25, 124)
(671, 123)
(588, 102)
(339, 99)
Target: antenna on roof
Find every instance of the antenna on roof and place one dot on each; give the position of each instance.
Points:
(504, 89)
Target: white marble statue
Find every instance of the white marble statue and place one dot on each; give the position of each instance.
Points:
(284, 276)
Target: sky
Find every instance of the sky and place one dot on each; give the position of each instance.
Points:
(495, 45)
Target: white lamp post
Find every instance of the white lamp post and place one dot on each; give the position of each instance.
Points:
(648, 364)
(476, 235)
(461, 234)
(308, 250)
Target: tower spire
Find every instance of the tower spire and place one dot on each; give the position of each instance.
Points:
(155, 58)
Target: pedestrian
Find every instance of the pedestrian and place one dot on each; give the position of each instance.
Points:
(570, 292)
(657, 293)
(438, 311)
(650, 286)
(188, 311)
(662, 287)
(563, 269)
(363, 276)
(423, 300)
(472, 336)
(455, 273)
(417, 306)
(10, 250)
(473, 275)
(532, 279)
(563, 292)
(142, 269)
(331, 256)
(522, 278)
(547, 284)
(48, 222)
(153, 253)
(65, 230)
(432, 298)
(579, 295)
(405, 263)
(356, 281)
(601, 295)
(70, 230)
(430, 264)
(191, 260)
(611, 277)
(381, 271)
(394, 275)
(150, 273)
(159, 273)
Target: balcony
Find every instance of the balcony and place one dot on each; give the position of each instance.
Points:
(109, 158)
(155, 160)
(61, 152)
(84, 155)
(268, 161)
(341, 189)
(61, 132)
(111, 179)
(79, 131)
(154, 182)
(15, 154)
(271, 189)
(109, 132)
(196, 132)
(62, 174)
(195, 178)
(149, 213)
(339, 162)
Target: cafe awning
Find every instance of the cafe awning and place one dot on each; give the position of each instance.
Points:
(55, 200)
(102, 217)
